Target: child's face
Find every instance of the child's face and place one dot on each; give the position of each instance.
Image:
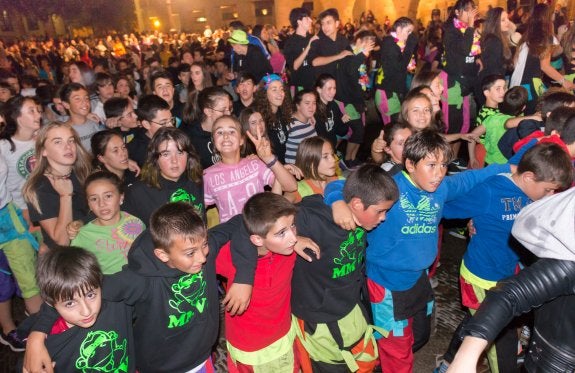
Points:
(536, 190)
(106, 90)
(79, 103)
(327, 92)
(281, 237)
(419, 113)
(60, 147)
(165, 89)
(5, 94)
(222, 106)
(197, 76)
(497, 92)
(306, 108)
(246, 89)
(185, 254)
(75, 74)
(256, 124)
(123, 88)
(163, 118)
(275, 94)
(80, 311)
(505, 23)
(437, 86)
(115, 156)
(227, 136)
(184, 77)
(370, 217)
(404, 32)
(429, 172)
(104, 201)
(395, 149)
(30, 116)
(327, 164)
(129, 119)
(172, 161)
(329, 26)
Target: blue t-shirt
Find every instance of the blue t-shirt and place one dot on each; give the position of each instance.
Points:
(493, 206)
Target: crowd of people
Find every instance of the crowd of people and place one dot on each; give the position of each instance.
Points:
(117, 155)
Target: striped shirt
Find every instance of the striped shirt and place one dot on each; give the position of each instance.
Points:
(298, 131)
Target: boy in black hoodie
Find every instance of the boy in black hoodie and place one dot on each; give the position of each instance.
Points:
(171, 281)
(153, 113)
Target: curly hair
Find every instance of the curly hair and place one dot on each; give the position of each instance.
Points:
(283, 114)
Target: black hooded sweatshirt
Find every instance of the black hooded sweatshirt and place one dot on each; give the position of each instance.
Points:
(141, 200)
(177, 314)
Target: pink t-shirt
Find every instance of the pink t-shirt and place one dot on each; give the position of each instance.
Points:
(230, 186)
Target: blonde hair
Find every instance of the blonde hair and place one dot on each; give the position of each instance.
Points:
(81, 166)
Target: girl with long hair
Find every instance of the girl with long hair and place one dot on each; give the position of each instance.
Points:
(274, 103)
(533, 57)
(53, 192)
(172, 173)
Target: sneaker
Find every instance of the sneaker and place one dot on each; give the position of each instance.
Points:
(458, 233)
(13, 341)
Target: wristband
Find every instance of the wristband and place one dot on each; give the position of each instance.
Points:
(562, 81)
(272, 162)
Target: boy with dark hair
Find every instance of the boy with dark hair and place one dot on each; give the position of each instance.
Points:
(262, 338)
(522, 127)
(162, 85)
(297, 47)
(171, 281)
(331, 322)
(491, 121)
(402, 249)
(103, 89)
(153, 113)
(246, 88)
(120, 112)
(184, 80)
(491, 255)
(76, 100)
(563, 135)
(86, 333)
(331, 46)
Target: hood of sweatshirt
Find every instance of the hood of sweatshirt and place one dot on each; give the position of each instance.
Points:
(142, 260)
(547, 227)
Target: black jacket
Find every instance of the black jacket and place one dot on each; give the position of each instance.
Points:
(394, 64)
(459, 64)
(549, 284)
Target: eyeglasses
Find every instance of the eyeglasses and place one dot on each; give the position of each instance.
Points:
(128, 115)
(169, 122)
(227, 111)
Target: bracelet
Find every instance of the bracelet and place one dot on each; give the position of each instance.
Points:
(272, 162)
(562, 81)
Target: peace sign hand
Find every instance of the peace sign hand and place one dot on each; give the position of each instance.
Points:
(263, 146)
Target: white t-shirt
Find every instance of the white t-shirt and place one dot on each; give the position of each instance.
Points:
(20, 164)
